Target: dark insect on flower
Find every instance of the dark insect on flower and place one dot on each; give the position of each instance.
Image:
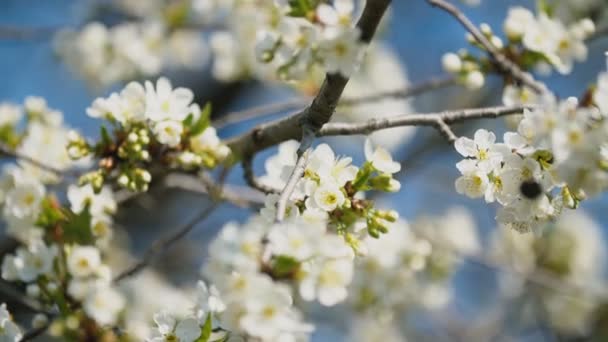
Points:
(530, 189)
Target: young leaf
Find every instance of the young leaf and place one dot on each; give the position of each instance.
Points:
(205, 330)
(203, 121)
(188, 121)
(105, 136)
(77, 227)
(285, 266)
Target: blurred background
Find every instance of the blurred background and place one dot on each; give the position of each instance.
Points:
(417, 36)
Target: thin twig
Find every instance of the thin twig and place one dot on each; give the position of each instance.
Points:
(32, 334)
(162, 245)
(19, 297)
(300, 102)
(252, 180)
(26, 33)
(260, 111)
(243, 197)
(7, 151)
(296, 174)
(440, 121)
(433, 83)
(501, 60)
(537, 276)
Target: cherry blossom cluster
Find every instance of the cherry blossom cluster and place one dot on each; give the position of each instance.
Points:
(412, 264)
(105, 55)
(149, 123)
(572, 251)
(331, 185)
(59, 261)
(556, 158)
(262, 267)
(35, 131)
(38, 132)
(108, 55)
(200, 324)
(540, 42)
(292, 37)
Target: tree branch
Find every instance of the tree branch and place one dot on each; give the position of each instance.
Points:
(15, 294)
(439, 121)
(410, 91)
(7, 151)
(299, 102)
(324, 104)
(501, 60)
(252, 180)
(160, 246)
(243, 197)
(322, 107)
(32, 334)
(296, 174)
(26, 33)
(259, 111)
(537, 276)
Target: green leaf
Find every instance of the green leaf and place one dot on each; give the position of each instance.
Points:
(203, 121)
(299, 8)
(8, 136)
(77, 227)
(284, 266)
(362, 177)
(205, 330)
(545, 7)
(50, 214)
(188, 121)
(105, 136)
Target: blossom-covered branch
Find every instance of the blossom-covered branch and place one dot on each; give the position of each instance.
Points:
(503, 62)
(323, 105)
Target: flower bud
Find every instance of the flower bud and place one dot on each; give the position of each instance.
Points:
(497, 42)
(451, 62)
(144, 155)
(33, 290)
(73, 136)
(474, 80)
(39, 321)
(470, 38)
(485, 29)
(132, 137)
(123, 180)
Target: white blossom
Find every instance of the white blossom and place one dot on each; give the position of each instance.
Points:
(29, 263)
(341, 51)
(23, 201)
(473, 182)
(169, 132)
(10, 114)
(104, 304)
(165, 103)
(9, 331)
(84, 261)
(101, 205)
(451, 62)
(381, 159)
(327, 197)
